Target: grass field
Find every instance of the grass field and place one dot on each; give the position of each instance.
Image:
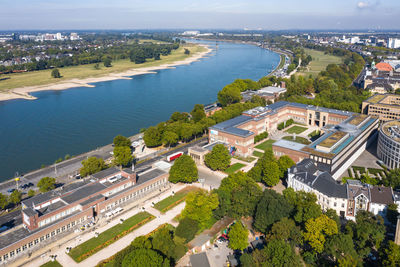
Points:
(234, 168)
(298, 139)
(171, 201)
(319, 62)
(108, 237)
(258, 154)
(296, 129)
(266, 145)
(43, 77)
(51, 264)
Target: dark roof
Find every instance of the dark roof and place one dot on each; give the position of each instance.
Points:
(106, 172)
(230, 126)
(199, 260)
(329, 187)
(92, 199)
(52, 207)
(29, 211)
(257, 244)
(149, 175)
(381, 195)
(40, 198)
(83, 192)
(373, 85)
(306, 165)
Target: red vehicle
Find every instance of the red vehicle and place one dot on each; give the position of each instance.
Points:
(174, 156)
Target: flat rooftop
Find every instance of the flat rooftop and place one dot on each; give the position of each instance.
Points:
(289, 144)
(230, 126)
(332, 139)
(392, 130)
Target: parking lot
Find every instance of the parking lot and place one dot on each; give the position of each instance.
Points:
(218, 255)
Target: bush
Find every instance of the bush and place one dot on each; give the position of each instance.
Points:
(187, 229)
(260, 137)
(55, 73)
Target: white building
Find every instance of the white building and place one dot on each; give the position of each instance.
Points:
(393, 43)
(346, 199)
(191, 33)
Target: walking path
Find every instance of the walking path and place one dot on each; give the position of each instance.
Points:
(59, 247)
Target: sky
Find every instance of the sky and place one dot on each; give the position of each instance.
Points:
(199, 14)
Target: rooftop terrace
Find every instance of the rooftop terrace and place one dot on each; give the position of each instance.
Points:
(332, 139)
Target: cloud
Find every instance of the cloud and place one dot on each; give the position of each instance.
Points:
(363, 5)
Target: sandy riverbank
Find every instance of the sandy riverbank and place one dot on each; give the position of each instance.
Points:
(24, 92)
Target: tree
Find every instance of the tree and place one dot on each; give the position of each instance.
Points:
(368, 232)
(107, 62)
(286, 230)
(3, 201)
(277, 253)
(187, 229)
(187, 51)
(218, 158)
(391, 255)
(152, 137)
(15, 197)
(31, 193)
(92, 165)
(184, 170)
(305, 205)
(198, 113)
(238, 196)
(339, 246)
(144, 257)
(271, 173)
(317, 230)
(271, 208)
(393, 179)
(199, 206)
(120, 140)
(55, 73)
(284, 163)
(46, 184)
(246, 260)
(228, 95)
(392, 213)
(123, 155)
(163, 242)
(170, 138)
(238, 236)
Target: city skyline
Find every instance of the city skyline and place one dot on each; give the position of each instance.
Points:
(268, 15)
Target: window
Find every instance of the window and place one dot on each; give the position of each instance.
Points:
(18, 250)
(5, 256)
(41, 238)
(30, 244)
(47, 236)
(334, 204)
(24, 247)
(58, 230)
(73, 223)
(53, 233)
(12, 253)
(36, 241)
(63, 228)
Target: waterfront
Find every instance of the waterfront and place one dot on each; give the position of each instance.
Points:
(73, 121)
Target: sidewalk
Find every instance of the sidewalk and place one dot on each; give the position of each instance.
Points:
(59, 247)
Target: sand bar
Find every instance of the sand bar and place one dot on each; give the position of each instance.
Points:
(24, 92)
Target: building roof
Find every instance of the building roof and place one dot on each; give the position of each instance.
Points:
(381, 195)
(230, 126)
(383, 66)
(391, 129)
(199, 260)
(148, 175)
(83, 192)
(105, 173)
(289, 144)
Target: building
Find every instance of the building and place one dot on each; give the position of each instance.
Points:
(238, 133)
(346, 199)
(338, 147)
(388, 149)
(199, 260)
(384, 106)
(389, 79)
(393, 43)
(268, 93)
(383, 66)
(52, 215)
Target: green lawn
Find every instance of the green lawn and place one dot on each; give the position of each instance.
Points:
(248, 159)
(319, 62)
(258, 154)
(43, 77)
(296, 129)
(266, 145)
(51, 264)
(108, 237)
(234, 168)
(298, 139)
(171, 201)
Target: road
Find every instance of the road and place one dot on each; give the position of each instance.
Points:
(66, 168)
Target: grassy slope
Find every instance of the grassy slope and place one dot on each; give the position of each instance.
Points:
(43, 77)
(319, 62)
(266, 145)
(296, 129)
(51, 264)
(234, 168)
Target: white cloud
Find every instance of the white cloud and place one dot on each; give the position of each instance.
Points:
(362, 5)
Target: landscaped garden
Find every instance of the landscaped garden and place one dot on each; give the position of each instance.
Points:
(51, 264)
(234, 168)
(266, 145)
(296, 129)
(297, 139)
(106, 238)
(172, 201)
(258, 154)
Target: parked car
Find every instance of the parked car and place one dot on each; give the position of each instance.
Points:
(11, 190)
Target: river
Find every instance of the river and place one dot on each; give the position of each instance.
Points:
(80, 119)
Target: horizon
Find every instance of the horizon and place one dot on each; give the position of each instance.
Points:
(237, 14)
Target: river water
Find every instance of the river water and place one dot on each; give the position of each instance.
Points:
(80, 119)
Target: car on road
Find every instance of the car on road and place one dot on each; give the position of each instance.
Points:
(11, 190)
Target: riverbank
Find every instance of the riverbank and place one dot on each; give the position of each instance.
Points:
(25, 91)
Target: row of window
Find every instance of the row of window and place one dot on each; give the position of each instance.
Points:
(41, 239)
(58, 216)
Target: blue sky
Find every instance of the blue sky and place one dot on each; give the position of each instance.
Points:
(232, 14)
